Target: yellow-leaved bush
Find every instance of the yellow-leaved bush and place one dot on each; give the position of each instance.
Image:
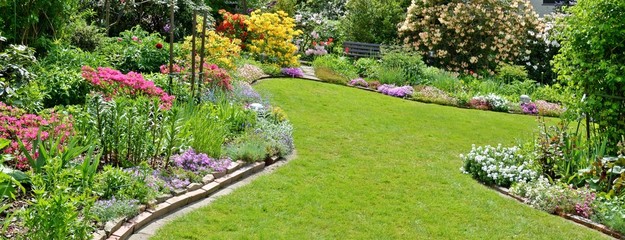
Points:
(218, 49)
(470, 36)
(272, 38)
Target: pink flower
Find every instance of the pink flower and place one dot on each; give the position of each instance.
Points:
(135, 38)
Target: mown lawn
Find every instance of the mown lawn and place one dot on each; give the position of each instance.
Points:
(375, 167)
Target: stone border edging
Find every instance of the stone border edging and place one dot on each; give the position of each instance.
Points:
(577, 219)
(122, 228)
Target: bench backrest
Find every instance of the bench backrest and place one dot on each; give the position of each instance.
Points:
(360, 49)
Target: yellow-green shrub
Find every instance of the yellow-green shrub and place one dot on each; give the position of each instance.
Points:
(218, 49)
(272, 38)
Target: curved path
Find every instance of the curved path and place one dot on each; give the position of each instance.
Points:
(375, 167)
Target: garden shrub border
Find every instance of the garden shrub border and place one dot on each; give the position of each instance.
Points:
(123, 228)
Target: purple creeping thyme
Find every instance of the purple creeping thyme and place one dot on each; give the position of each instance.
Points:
(293, 72)
(394, 91)
(199, 162)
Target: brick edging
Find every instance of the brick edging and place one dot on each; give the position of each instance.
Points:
(122, 228)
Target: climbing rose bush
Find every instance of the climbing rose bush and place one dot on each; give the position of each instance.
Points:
(465, 36)
(272, 38)
(113, 83)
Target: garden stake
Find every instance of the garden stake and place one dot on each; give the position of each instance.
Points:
(193, 32)
(171, 45)
(201, 74)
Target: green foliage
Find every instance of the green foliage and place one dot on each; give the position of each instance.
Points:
(610, 212)
(62, 86)
(373, 21)
(287, 6)
(62, 193)
(339, 65)
(507, 73)
(124, 184)
(152, 16)
(14, 69)
(271, 69)
(410, 63)
(392, 75)
(136, 50)
(86, 37)
(366, 67)
(591, 60)
(36, 22)
(249, 148)
(203, 130)
(72, 58)
(130, 131)
(106, 210)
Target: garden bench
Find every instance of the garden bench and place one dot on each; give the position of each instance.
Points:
(360, 49)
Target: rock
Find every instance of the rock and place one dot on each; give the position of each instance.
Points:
(208, 178)
(525, 99)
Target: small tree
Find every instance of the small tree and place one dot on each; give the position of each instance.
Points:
(591, 60)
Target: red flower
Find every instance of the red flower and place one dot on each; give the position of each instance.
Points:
(330, 40)
(159, 45)
(346, 50)
(314, 43)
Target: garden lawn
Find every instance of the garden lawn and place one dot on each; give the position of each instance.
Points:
(371, 166)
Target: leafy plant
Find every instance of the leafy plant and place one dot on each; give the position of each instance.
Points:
(593, 64)
(249, 148)
(339, 65)
(410, 63)
(106, 210)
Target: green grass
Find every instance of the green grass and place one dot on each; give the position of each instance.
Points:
(371, 166)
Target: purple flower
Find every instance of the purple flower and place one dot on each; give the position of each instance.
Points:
(199, 162)
(293, 72)
(529, 108)
(394, 91)
(167, 28)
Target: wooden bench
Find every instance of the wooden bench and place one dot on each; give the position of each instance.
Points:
(360, 49)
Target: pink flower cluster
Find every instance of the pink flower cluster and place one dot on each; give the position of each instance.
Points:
(113, 83)
(358, 82)
(479, 102)
(217, 76)
(17, 124)
(549, 109)
(176, 68)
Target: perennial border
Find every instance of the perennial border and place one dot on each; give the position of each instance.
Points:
(123, 228)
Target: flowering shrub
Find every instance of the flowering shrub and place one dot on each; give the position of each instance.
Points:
(16, 124)
(500, 166)
(216, 76)
(479, 102)
(489, 102)
(249, 73)
(529, 108)
(218, 49)
(233, 26)
(112, 83)
(549, 109)
(293, 72)
(200, 162)
(273, 35)
(556, 198)
(394, 91)
(319, 48)
(434, 95)
(470, 35)
(358, 82)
